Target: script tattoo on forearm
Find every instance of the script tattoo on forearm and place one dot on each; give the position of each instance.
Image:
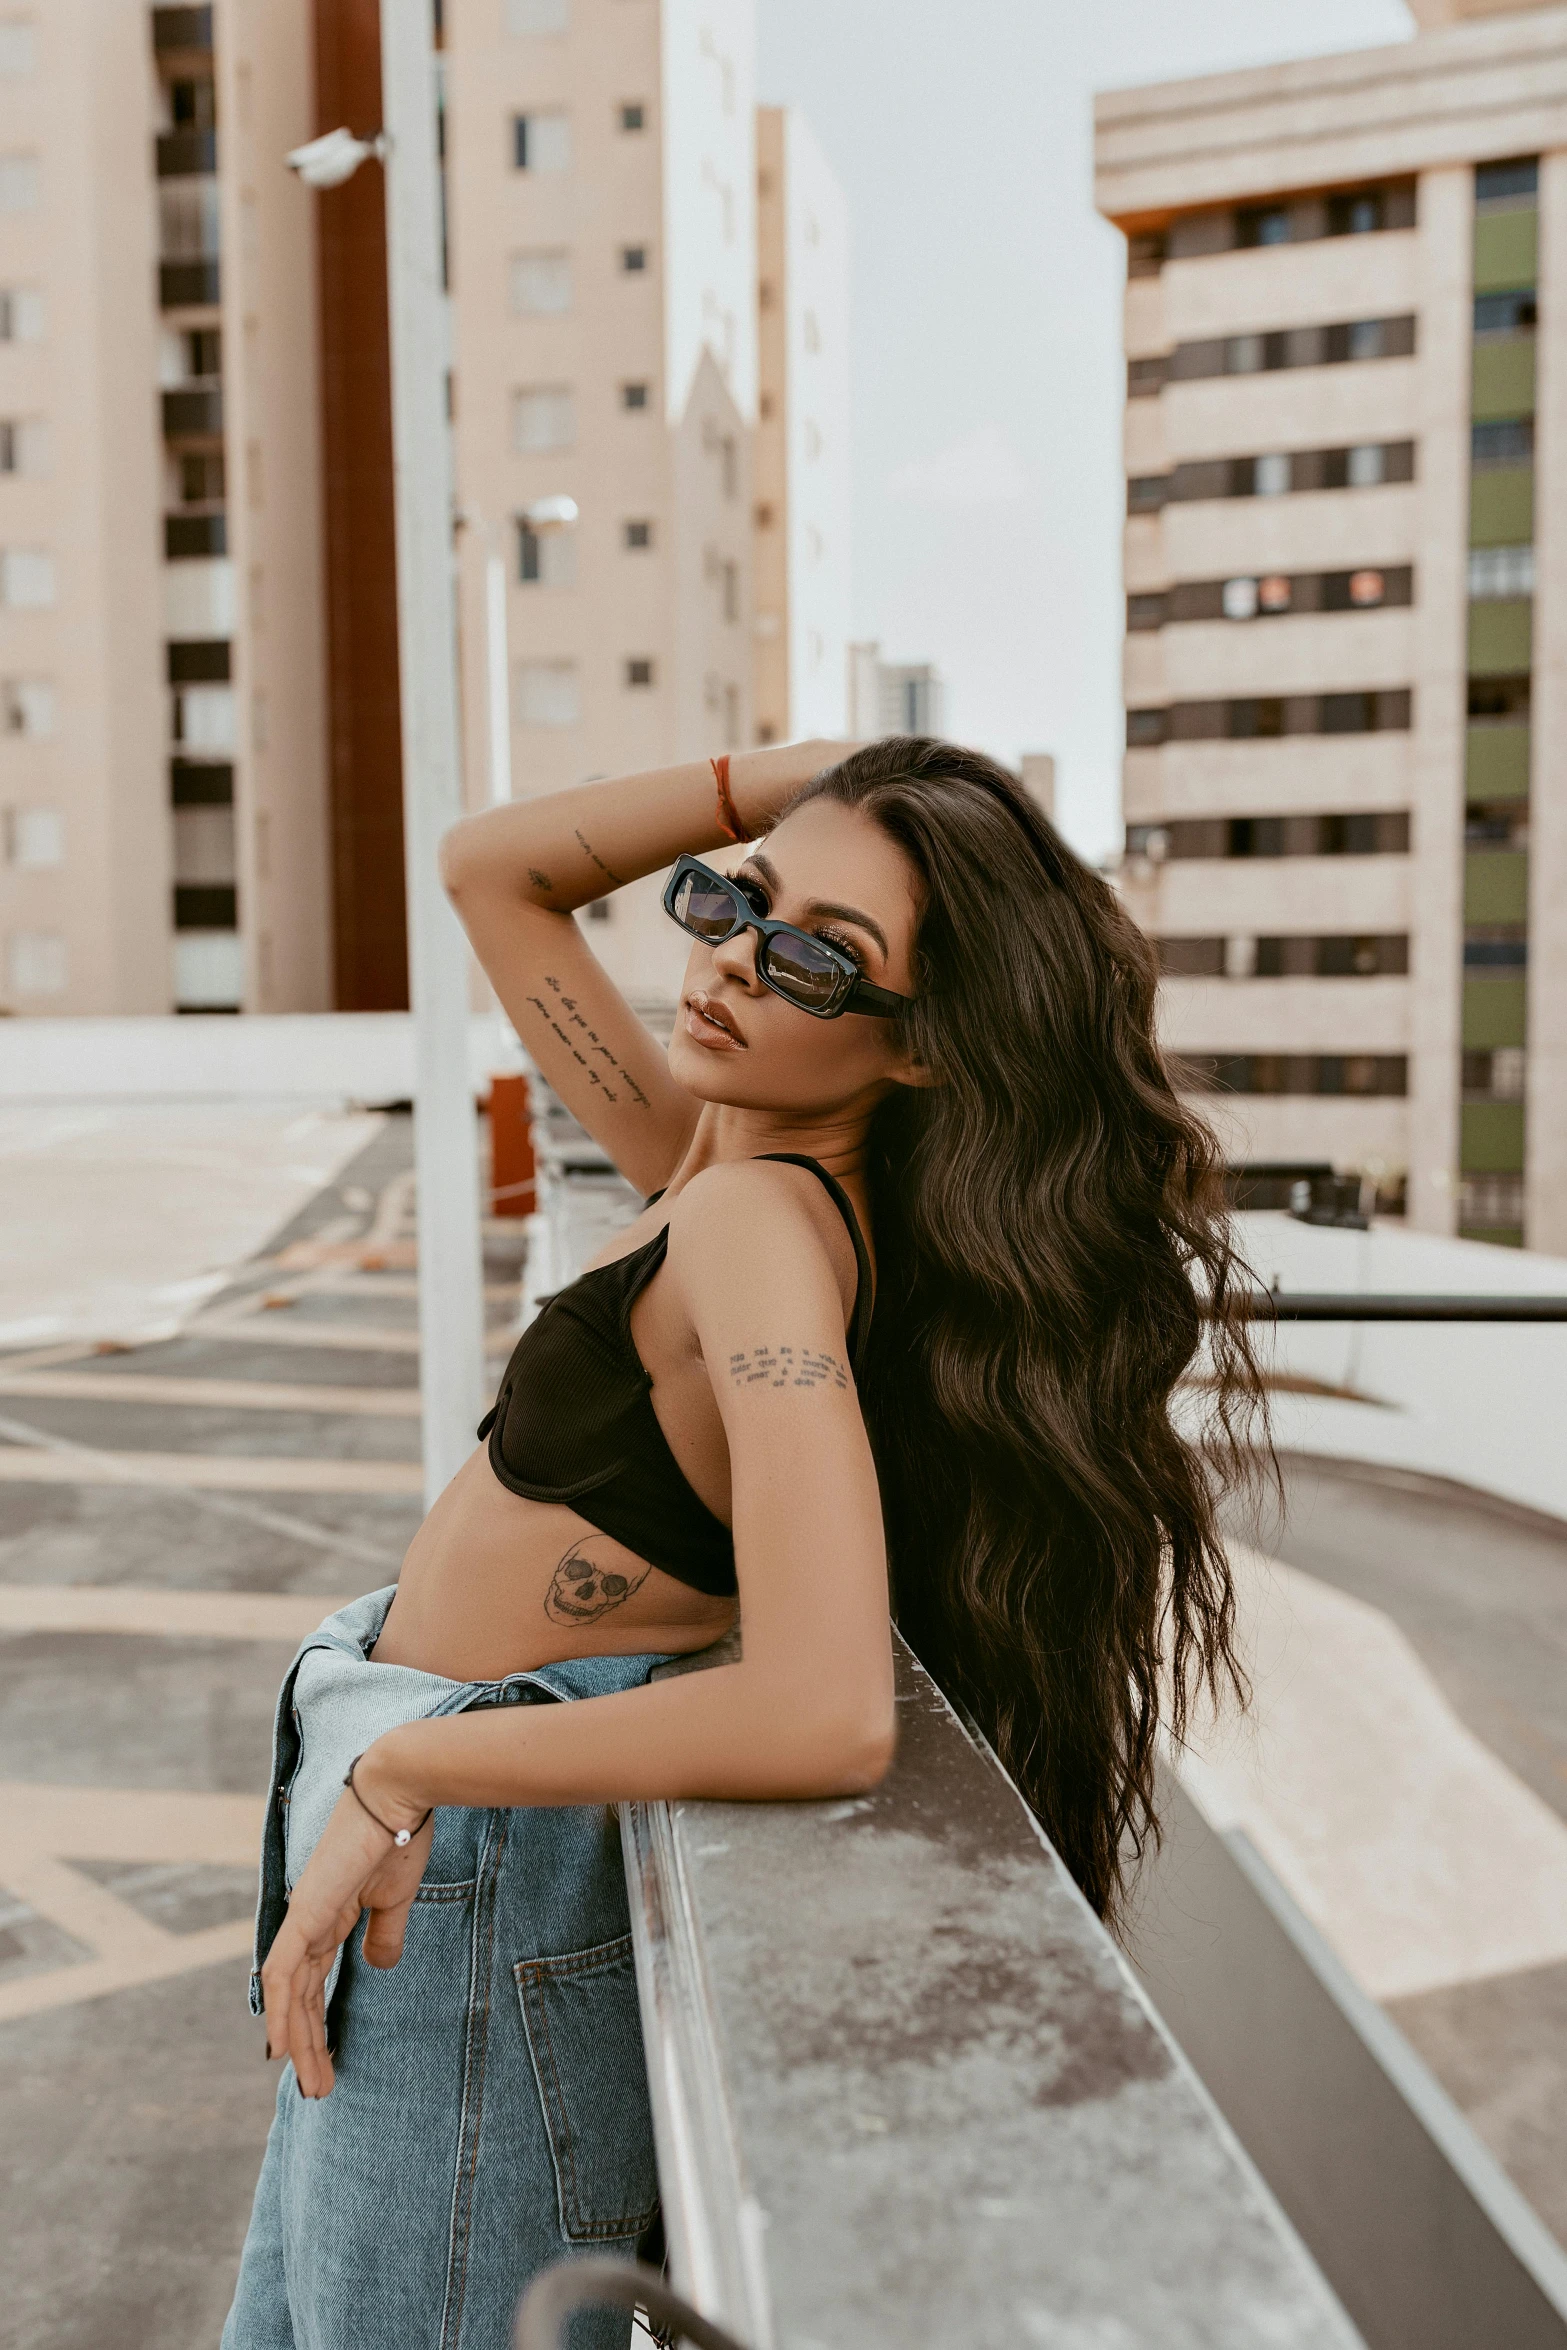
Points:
(787, 1366)
(581, 1590)
(597, 1050)
(594, 858)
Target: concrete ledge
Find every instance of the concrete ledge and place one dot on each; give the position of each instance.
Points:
(907, 2091)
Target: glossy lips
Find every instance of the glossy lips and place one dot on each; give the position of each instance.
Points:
(712, 1023)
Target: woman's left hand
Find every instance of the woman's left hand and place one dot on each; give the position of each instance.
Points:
(355, 1866)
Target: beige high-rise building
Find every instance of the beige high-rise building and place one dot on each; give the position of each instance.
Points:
(162, 714)
(200, 756)
(602, 199)
(802, 436)
(1346, 576)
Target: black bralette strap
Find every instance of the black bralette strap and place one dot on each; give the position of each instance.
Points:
(859, 1320)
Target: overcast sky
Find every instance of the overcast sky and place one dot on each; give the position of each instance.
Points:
(986, 332)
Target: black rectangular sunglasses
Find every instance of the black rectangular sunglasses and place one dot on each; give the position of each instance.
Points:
(809, 972)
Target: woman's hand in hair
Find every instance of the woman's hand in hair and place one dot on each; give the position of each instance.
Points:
(354, 1867)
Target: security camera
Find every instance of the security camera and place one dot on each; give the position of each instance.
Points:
(328, 161)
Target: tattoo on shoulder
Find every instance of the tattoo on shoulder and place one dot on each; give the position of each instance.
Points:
(581, 1590)
(787, 1366)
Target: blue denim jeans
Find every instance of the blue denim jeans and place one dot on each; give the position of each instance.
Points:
(490, 2110)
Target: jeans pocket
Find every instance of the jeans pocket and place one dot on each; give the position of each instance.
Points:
(585, 2038)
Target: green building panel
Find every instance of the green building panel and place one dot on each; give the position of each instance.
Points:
(1501, 636)
(1496, 762)
(1494, 1014)
(1507, 247)
(1501, 506)
(1496, 885)
(1490, 1138)
(1503, 377)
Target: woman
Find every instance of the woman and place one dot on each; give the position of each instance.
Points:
(919, 1250)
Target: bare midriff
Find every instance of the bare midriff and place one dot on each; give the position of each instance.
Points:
(494, 1583)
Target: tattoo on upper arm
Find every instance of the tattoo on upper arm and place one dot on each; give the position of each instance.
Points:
(581, 1590)
(787, 1366)
(541, 880)
(598, 1051)
(594, 858)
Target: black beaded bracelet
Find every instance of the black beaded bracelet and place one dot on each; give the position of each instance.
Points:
(398, 1835)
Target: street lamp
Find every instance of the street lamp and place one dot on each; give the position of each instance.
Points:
(451, 1313)
(546, 517)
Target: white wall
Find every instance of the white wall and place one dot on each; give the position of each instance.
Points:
(816, 281)
(1479, 1402)
(709, 132)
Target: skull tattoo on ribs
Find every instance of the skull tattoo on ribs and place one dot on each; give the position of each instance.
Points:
(581, 1590)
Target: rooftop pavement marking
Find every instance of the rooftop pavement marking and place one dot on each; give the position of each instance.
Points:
(43, 1829)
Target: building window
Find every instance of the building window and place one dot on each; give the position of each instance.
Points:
(729, 581)
(1337, 955)
(1496, 1076)
(1265, 717)
(27, 580)
(1293, 221)
(540, 283)
(767, 407)
(633, 260)
(811, 332)
(1496, 946)
(1297, 1073)
(1267, 224)
(1145, 377)
(537, 16)
(1191, 958)
(21, 315)
(633, 117)
(635, 395)
(1507, 183)
(1273, 595)
(731, 717)
(1145, 492)
(1500, 571)
(18, 183)
(639, 672)
(35, 962)
(1504, 440)
(728, 463)
(541, 142)
(34, 838)
(1382, 832)
(639, 534)
(1514, 312)
(546, 558)
(1491, 1204)
(543, 416)
(1365, 466)
(1285, 347)
(548, 693)
(27, 708)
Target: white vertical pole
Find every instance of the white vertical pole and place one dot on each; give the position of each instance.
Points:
(451, 1324)
(499, 684)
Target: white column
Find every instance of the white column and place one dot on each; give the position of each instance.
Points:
(497, 679)
(451, 1330)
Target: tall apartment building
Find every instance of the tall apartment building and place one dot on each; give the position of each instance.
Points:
(1346, 576)
(162, 775)
(801, 513)
(892, 697)
(200, 752)
(601, 175)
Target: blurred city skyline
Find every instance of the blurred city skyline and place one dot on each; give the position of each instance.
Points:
(986, 350)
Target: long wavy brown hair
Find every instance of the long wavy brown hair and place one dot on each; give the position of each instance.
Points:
(1055, 1252)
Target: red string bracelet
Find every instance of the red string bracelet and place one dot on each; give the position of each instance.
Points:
(728, 814)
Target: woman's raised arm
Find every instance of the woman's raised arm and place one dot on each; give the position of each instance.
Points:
(517, 874)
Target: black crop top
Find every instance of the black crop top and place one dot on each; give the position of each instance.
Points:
(574, 1419)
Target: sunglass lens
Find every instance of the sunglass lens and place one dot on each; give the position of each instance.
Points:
(704, 908)
(803, 971)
